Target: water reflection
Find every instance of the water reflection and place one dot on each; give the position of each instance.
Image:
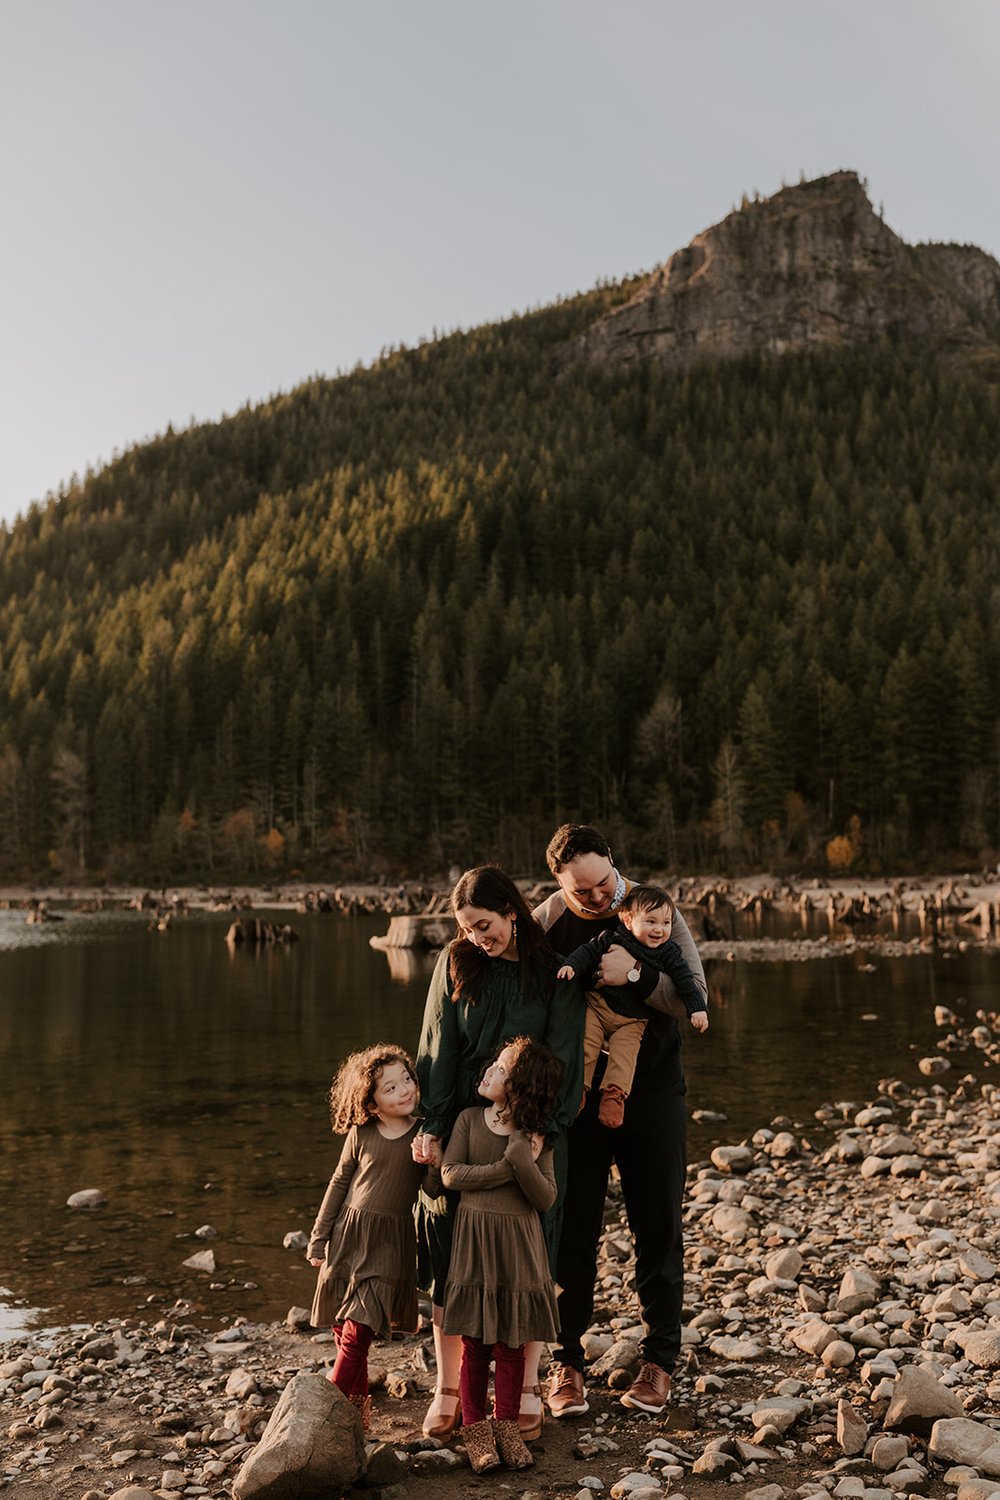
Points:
(409, 965)
(189, 1082)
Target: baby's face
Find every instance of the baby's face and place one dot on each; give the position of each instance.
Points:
(650, 927)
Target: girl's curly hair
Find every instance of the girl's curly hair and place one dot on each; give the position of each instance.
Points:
(352, 1092)
(532, 1084)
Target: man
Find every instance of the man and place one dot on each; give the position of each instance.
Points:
(649, 1146)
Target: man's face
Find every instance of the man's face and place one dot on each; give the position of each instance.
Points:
(590, 881)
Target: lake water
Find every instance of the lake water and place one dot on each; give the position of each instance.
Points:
(188, 1082)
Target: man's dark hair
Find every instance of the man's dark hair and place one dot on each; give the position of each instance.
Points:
(573, 839)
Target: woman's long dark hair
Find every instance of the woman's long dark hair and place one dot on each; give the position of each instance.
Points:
(488, 887)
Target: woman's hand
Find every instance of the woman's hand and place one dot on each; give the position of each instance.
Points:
(426, 1150)
(316, 1260)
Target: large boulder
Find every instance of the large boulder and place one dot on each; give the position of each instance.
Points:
(918, 1400)
(963, 1441)
(312, 1448)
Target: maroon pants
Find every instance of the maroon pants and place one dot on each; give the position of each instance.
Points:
(350, 1370)
(508, 1377)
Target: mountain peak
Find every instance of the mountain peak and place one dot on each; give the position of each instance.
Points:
(812, 265)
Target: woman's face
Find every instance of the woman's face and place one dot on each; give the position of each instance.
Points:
(492, 931)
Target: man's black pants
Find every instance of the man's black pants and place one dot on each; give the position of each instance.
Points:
(650, 1150)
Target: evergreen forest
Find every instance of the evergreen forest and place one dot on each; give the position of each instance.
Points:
(419, 614)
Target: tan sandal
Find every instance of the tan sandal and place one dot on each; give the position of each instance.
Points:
(530, 1423)
(444, 1427)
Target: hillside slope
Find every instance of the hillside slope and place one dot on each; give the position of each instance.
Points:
(419, 614)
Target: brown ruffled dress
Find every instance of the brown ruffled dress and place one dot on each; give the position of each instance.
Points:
(499, 1287)
(365, 1232)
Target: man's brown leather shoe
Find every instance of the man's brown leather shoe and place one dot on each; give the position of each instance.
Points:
(650, 1390)
(567, 1397)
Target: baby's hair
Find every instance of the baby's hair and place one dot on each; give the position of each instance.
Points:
(647, 898)
(353, 1089)
(532, 1084)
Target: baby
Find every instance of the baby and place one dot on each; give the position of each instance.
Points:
(645, 922)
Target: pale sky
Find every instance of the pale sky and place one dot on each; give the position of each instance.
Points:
(207, 201)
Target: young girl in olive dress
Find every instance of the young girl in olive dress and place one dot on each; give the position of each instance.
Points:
(499, 1292)
(363, 1240)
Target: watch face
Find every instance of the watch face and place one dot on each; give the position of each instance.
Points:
(634, 974)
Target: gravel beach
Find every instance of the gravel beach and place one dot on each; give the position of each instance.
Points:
(842, 1336)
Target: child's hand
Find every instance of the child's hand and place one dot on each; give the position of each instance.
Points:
(316, 1260)
(426, 1150)
(566, 972)
(536, 1142)
(433, 1155)
(699, 1020)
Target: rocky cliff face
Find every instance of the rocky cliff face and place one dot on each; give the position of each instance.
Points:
(812, 265)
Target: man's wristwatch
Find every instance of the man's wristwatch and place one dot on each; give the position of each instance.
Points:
(634, 974)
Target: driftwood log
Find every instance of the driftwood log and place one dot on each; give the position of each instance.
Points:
(257, 931)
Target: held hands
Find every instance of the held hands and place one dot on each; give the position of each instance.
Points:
(566, 972)
(426, 1150)
(614, 966)
(699, 1020)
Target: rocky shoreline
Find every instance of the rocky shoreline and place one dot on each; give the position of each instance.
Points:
(755, 918)
(842, 1337)
(950, 893)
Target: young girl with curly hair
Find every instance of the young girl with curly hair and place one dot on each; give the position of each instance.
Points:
(363, 1240)
(499, 1292)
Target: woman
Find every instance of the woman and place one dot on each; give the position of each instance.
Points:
(497, 979)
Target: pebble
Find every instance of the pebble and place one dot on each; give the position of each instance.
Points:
(202, 1260)
(634, 1485)
(982, 1348)
(733, 1158)
(86, 1198)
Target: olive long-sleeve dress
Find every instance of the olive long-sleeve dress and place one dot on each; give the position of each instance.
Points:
(458, 1039)
(364, 1234)
(500, 1288)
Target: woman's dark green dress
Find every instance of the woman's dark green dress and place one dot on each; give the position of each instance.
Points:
(458, 1039)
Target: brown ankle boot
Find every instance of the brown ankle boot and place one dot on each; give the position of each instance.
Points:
(511, 1446)
(480, 1447)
